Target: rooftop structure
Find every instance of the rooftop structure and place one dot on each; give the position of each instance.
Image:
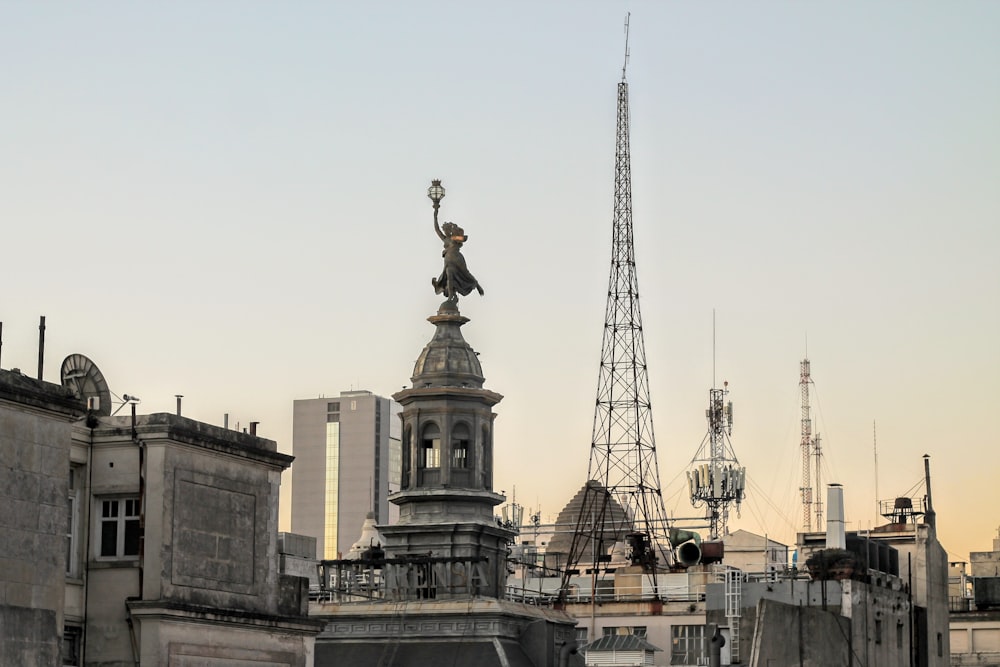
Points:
(145, 539)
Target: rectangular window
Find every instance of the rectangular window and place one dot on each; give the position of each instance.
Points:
(899, 634)
(687, 644)
(460, 454)
(332, 491)
(119, 528)
(612, 630)
(333, 407)
(71, 646)
(878, 631)
(430, 453)
(73, 517)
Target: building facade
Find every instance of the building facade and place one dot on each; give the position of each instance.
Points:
(144, 539)
(348, 461)
(35, 485)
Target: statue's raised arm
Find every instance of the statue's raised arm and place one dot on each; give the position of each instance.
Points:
(455, 278)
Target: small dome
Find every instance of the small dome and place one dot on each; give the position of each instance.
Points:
(370, 537)
(447, 360)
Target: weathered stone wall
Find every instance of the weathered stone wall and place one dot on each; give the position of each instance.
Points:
(211, 526)
(34, 488)
(790, 635)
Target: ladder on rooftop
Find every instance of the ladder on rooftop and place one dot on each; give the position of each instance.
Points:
(734, 586)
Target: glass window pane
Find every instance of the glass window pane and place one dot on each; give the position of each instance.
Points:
(131, 537)
(109, 538)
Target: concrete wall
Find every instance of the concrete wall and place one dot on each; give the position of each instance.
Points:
(34, 487)
(170, 642)
(747, 551)
(975, 639)
(986, 563)
(793, 635)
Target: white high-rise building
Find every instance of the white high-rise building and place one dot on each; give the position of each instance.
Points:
(347, 462)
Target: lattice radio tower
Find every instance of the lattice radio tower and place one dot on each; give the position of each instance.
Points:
(812, 457)
(623, 472)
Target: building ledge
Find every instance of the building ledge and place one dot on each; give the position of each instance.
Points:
(173, 610)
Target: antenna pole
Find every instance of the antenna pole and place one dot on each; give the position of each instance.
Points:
(627, 16)
(875, 448)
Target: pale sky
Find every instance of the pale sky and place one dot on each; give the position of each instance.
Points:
(227, 200)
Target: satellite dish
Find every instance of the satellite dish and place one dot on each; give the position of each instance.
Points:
(83, 376)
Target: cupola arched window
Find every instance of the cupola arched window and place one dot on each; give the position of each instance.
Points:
(460, 446)
(430, 446)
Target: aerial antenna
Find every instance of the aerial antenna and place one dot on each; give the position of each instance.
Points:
(627, 15)
(875, 448)
(713, 348)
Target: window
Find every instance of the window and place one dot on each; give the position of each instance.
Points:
(430, 447)
(430, 453)
(940, 645)
(119, 528)
(581, 635)
(637, 630)
(687, 644)
(71, 646)
(331, 494)
(333, 407)
(460, 446)
(73, 516)
(899, 634)
(878, 631)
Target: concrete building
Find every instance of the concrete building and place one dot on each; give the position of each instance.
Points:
(35, 485)
(148, 539)
(347, 463)
(975, 628)
(750, 552)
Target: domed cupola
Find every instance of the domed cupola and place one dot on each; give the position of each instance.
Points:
(447, 360)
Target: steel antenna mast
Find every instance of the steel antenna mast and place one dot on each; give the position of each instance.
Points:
(806, 445)
(623, 465)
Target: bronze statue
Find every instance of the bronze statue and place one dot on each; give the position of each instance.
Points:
(455, 278)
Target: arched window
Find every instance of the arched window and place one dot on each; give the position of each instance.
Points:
(430, 447)
(460, 446)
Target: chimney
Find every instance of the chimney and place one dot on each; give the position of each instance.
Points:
(930, 518)
(835, 536)
(179, 397)
(253, 428)
(41, 345)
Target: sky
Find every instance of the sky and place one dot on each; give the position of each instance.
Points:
(227, 201)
